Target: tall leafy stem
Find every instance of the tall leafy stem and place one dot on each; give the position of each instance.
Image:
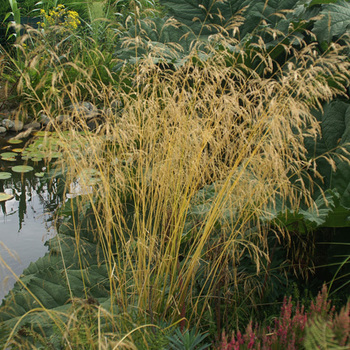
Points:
(16, 13)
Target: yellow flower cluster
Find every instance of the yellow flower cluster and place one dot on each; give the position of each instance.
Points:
(60, 16)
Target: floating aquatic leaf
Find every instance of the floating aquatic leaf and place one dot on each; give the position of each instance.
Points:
(4, 175)
(38, 155)
(42, 133)
(34, 146)
(42, 148)
(9, 159)
(5, 197)
(89, 176)
(93, 181)
(39, 174)
(17, 150)
(55, 155)
(33, 154)
(22, 168)
(14, 141)
(8, 155)
(88, 172)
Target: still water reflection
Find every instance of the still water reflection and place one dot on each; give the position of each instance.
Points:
(25, 221)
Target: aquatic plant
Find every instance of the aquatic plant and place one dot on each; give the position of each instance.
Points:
(5, 196)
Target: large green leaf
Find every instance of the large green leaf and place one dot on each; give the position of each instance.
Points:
(304, 218)
(334, 143)
(339, 216)
(266, 11)
(196, 20)
(335, 21)
(68, 271)
(196, 14)
(318, 2)
(331, 207)
(159, 38)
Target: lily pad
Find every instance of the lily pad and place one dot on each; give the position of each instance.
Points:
(9, 159)
(4, 175)
(33, 154)
(8, 155)
(42, 133)
(5, 197)
(88, 172)
(17, 150)
(55, 155)
(22, 168)
(39, 174)
(89, 176)
(14, 141)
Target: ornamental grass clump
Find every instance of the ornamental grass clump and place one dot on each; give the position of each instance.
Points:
(207, 123)
(185, 163)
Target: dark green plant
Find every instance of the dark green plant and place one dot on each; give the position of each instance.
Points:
(4, 9)
(188, 340)
(27, 7)
(4, 333)
(16, 13)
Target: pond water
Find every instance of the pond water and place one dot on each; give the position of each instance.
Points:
(25, 220)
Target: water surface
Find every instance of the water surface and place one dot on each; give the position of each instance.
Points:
(25, 220)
